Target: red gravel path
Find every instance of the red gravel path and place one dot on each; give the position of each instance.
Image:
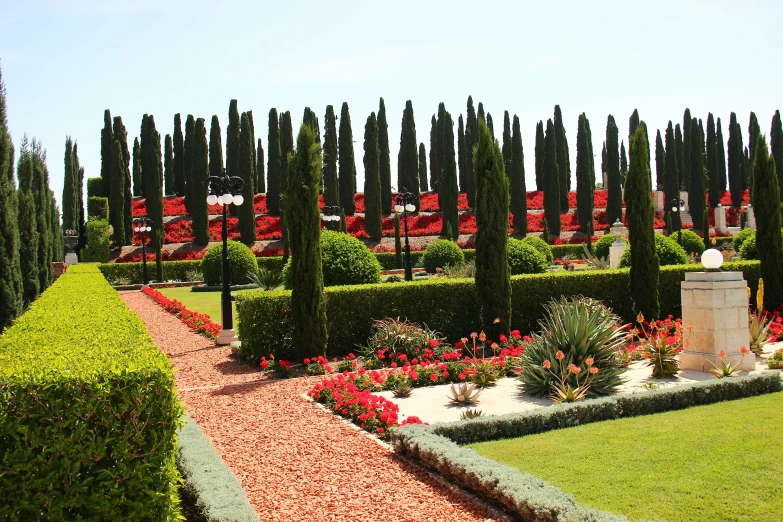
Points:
(295, 461)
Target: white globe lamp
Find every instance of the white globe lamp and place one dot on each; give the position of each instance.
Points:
(712, 259)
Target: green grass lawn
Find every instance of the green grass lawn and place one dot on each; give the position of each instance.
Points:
(709, 463)
(201, 302)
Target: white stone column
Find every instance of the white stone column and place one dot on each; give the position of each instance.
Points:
(720, 220)
(658, 198)
(616, 252)
(684, 197)
(71, 259)
(715, 304)
(751, 217)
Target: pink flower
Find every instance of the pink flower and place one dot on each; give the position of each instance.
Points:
(503, 338)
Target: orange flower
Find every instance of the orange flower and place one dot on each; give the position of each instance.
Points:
(464, 341)
(593, 370)
(743, 350)
(495, 346)
(482, 336)
(547, 364)
(574, 369)
(690, 327)
(722, 354)
(473, 335)
(640, 318)
(560, 355)
(589, 361)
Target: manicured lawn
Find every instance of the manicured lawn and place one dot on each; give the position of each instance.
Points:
(710, 463)
(201, 302)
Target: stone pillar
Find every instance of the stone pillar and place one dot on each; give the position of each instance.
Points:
(720, 220)
(616, 252)
(658, 198)
(71, 259)
(715, 304)
(684, 197)
(751, 217)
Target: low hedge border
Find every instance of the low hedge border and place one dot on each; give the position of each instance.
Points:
(218, 288)
(210, 492)
(438, 446)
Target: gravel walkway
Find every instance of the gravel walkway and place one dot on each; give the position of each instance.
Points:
(295, 461)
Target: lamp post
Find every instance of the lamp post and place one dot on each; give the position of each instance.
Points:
(225, 190)
(678, 207)
(404, 202)
(330, 214)
(142, 224)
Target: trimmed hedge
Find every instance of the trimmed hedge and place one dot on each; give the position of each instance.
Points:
(440, 253)
(172, 270)
(524, 258)
(88, 426)
(449, 306)
(95, 188)
(669, 252)
(560, 251)
(211, 492)
(529, 497)
(97, 249)
(97, 208)
(542, 246)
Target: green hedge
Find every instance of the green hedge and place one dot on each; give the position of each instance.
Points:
(97, 249)
(529, 497)
(89, 416)
(97, 208)
(96, 189)
(449, 306)
(561, 251)
(172, 270)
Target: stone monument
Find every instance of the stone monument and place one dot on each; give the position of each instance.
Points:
(618, 247)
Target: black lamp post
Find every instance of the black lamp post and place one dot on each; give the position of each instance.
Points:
(225, 190)
(142, 224)
(330, 214)
(678, 207)
(405, 202)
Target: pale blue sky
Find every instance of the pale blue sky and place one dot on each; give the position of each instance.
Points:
(63, 63)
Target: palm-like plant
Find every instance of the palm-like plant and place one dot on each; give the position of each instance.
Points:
(266, 279)
(580, 328)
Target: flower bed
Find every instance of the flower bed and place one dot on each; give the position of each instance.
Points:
(199, 323)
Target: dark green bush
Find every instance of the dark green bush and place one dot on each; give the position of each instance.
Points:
(743, 235)
(541, 245)
(692, 243)
(561, 251)
(241, 262)
(601, 247)
(97, 249)
(89, 412)
(96, 189)
(748, 249)
(669, 252)
(440, 253)
(523, 258)
(388, 261)
(172, 270)
(98, 208)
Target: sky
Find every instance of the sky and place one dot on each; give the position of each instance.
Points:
(64, 63)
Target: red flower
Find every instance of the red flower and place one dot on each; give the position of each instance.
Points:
(433, 377)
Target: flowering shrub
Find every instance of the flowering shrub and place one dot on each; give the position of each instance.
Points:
(199, 323)
(660, 342)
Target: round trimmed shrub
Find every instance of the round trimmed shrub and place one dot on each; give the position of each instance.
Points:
(669, 252)
(692, 243)
(601, 247)
(241, 262)
(742, 236)
(440, 253)
(748, 249)
(524, 258)
(540, 245)
(345, 261)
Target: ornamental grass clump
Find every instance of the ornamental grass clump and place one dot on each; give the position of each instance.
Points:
(579, 328)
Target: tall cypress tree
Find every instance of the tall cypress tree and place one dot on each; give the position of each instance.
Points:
(260, 168)
(721, 157)
(493, 277)
(383, 146)
(41, 193)
(736, 161)
(408, 157)
(77, 168)
(246, 170)
(603, 165)
(678, 147)
(346, 163)
(152, 171)
(481, 115)
(490, 126)
(516, 175)
(28, 231)
(373, 223)
(471, 136)
(712, 163)
(435, 152)
(254, 174)
(116, 195)
(168, 166)
(56, 231)
(551, 179)
(287, 142)
(461, 153)
(107, 139)
(563, 161)
(641, 233)
(308, 305)
(331, 183)
(623, 163)
(660, 161)
(697, 187)
(768, 222)
(190, 129)
(273, 165)
(585, 175)
(232, 139)
(179, 159)
(201, 168)
(507, 146)
(753, 134)
(614, 204)
(423, 167)
(633, 122)
(70, 217)
(685, 166)
(671, 179)
(136, 168)
(448, 194)
(776, 143)
(121, 135)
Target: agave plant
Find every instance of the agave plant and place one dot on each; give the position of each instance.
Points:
(580, 328)
(758, 325)
(266, 279)
(484, 373)
(594, 262)
(402, 389)
(727, 369)
(470, 414)
(464, 393)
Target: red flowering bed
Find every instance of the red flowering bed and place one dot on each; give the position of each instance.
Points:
(199, 323)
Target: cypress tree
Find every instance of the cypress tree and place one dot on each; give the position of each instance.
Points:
(585, 175)
(215, 154)
(70, 216)
(493, 277)
(633, 122)
(603, 165)
(247, 171)
(331, 183)
(346, 163)
(768, 222)
(435, 152)
(121, 135)
(107, 139)
(408, 157)
(232, 139)
(721, 157)
(136, 167)
(273, 165)
(551, 178)
(190, 128)
(397, 242)
(373, 223)
(287, 143)
(746, 171)
(448, 194)
(254, 174)
(491, 126)
(623, 163)
(312, 120)
(55, 229)
(423, 167)
(696, 178)
(461, 154)
(660, 161)
(383, 146)
(116, 195)
(260, 166)
(80, 195)
(563, 161)
(152, 172)
(712, 163)
(736, 160)
(539, 150)
(614, 204)
(516, 175)
(685, 165)
(678, 148)
(776, 144)
(481, 115)
(753, 134)
(507, 150)
(308, 305)
(471, 135)
(179, 159)
(641, 233)
(41, 193)
(168, 166)
(671, 179)
(28, 230)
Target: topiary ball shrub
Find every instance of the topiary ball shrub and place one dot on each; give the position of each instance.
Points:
(748, 250)
(540, 245)
(345, 261)
(601, 247)
(241, 262)
(669, 253)
(441, 253)
(742, 236)
(525, 259)
(692, 243)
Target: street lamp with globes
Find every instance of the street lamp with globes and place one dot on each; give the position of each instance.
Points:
(142, 224)
(678, 207)
(405, 202)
